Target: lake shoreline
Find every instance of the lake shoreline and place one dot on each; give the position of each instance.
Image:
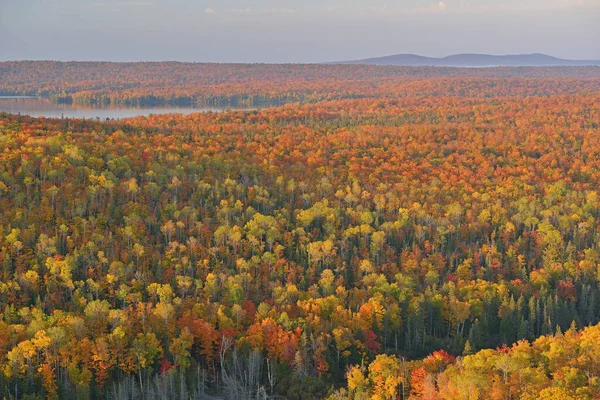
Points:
(40, 107)
(10, 97)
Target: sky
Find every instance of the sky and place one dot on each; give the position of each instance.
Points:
(293, 31)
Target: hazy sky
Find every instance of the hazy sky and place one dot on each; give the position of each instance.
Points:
(293, 30)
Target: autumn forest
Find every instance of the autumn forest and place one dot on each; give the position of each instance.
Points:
(363, 233)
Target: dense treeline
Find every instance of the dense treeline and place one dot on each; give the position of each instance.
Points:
(257, 85)
(563, 367)
(275, 252)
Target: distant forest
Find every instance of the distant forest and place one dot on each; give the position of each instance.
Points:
(250, 85)
(392, 233)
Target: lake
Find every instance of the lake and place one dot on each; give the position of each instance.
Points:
(36, 107)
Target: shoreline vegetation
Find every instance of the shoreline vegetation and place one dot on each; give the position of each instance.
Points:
(256, 85)
(150, 101)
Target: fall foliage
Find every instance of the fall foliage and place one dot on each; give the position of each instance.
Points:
(412, 233)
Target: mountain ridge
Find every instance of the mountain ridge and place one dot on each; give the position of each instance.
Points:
(471, 60)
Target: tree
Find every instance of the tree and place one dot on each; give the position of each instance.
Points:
(145, 349)
(386, 375)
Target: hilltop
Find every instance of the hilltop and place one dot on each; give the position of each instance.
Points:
(472, 60)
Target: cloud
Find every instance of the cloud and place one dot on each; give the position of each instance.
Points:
(122, 4)
(279, 11)
(384, 10)
(210, 11)
(440, 7)
(580, 3)
(262, 11)
(527, 6)
(247, 10)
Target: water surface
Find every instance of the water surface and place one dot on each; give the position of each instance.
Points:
(36, 107)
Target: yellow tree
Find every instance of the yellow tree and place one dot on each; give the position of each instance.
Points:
(385, 373)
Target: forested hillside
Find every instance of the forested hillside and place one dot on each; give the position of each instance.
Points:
(257, 85)
(436, 238)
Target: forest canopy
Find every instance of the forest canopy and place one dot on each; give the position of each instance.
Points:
(159, 83)
(408, 233)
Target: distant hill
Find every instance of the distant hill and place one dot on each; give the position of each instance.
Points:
(472, 60)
